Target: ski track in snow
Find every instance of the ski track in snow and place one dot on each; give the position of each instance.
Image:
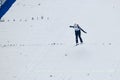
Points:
(37, 44)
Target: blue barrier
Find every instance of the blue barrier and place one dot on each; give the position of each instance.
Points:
(5, 7)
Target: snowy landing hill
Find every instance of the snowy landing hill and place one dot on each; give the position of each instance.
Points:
(36, 42)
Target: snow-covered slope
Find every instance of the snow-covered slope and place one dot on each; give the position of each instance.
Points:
(36, 42)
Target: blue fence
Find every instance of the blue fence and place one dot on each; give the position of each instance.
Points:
(5, 7)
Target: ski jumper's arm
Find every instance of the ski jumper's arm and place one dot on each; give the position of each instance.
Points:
(71, 26)
(82, 29)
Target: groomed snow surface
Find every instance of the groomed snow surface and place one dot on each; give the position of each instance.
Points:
(36, 42)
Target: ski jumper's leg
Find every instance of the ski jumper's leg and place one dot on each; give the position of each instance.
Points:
(81, 40)
(80, 37)
(76, 36)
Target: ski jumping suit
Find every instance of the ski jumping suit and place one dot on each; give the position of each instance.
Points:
(78, 30)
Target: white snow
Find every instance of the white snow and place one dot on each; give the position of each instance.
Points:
(36, 42)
